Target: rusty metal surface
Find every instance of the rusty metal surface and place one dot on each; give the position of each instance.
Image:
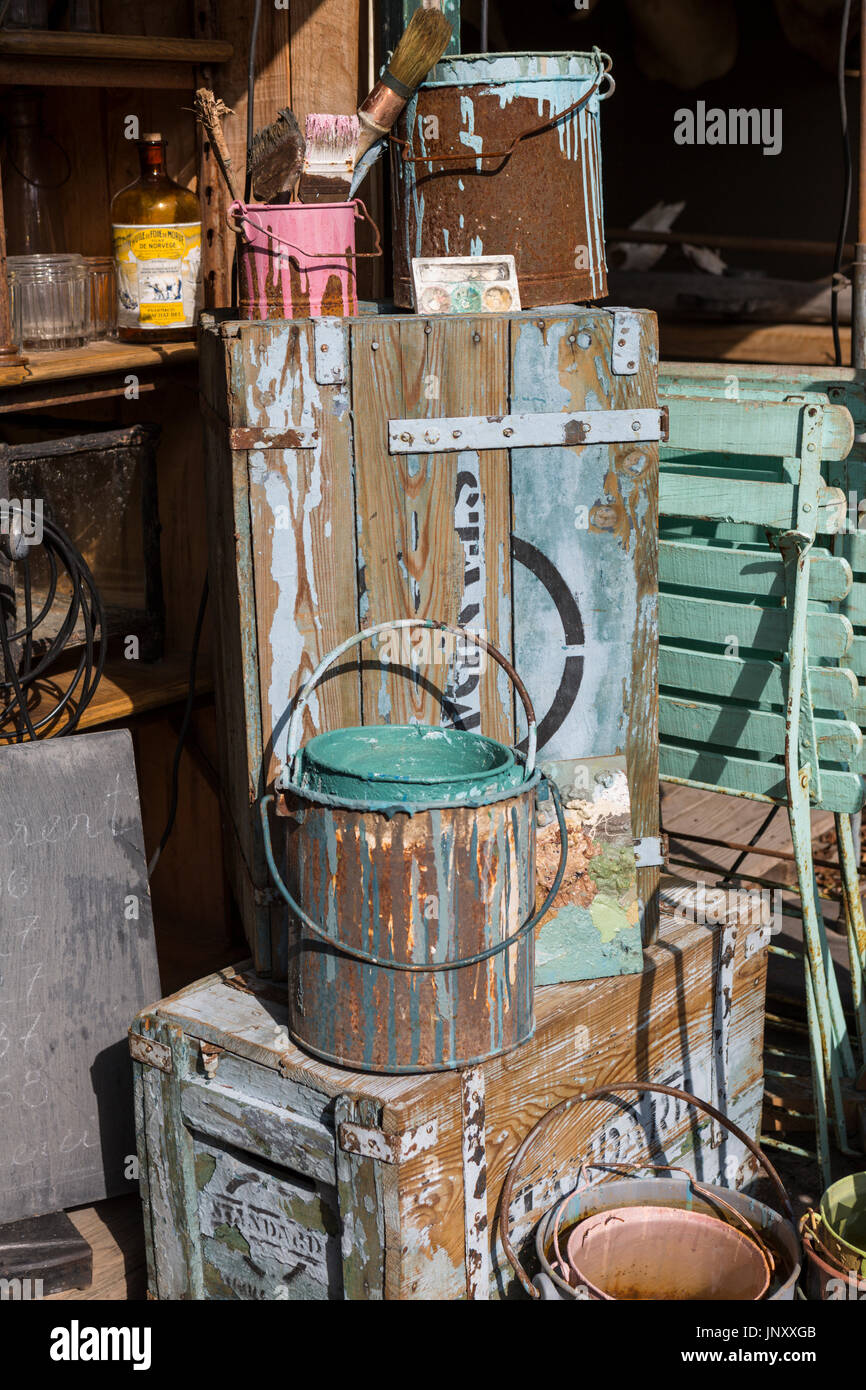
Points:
(491, 154)
(428, 887)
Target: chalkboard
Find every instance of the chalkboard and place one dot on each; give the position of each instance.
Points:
(77, 963)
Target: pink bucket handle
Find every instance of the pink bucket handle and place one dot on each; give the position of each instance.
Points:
(238, 212)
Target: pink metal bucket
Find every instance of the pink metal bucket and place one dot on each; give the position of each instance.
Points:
(298, 260)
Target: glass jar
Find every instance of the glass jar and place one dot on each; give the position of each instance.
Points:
(49, 301)
(101, 296)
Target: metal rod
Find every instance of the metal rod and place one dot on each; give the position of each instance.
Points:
(723, 242)
(753, 849)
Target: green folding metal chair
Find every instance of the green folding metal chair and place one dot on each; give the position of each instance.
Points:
(755, 700)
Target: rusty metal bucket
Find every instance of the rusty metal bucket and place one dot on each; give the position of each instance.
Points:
(501, 153)
(772, 1233)
(411, 926)
(665, 1253)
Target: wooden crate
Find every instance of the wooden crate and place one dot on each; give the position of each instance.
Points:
(321, 523)
(266, 1174)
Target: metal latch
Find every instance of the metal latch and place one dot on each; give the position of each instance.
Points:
(329, 342)
(387, 1148)
(542, 430)
(150, 1052)
(625, 354)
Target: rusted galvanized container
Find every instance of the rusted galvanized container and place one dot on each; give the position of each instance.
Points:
(412, 944)
(501, 153)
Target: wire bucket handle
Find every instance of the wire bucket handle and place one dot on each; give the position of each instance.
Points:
(238, 213)
(598, 1093)
(293, 739)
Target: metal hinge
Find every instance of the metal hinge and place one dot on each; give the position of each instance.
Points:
(387, 1148)
(625, 353)
(150, 1052)
(542, 430)
(648, 852)
(329, 340)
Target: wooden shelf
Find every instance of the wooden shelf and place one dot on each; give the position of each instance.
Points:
(128, 688)
(45, 58)
(65, 374)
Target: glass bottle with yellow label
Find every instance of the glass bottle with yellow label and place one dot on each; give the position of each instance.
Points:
(156, 229)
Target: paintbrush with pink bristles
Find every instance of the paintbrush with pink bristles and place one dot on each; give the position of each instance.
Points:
(329, 158)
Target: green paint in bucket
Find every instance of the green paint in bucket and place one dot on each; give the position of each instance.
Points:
(407, 763)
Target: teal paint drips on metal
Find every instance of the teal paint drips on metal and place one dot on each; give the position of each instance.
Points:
(410, 858)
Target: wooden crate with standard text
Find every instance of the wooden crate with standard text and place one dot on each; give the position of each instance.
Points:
(266, 1174)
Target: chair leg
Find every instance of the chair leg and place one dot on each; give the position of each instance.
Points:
(825, 1032)
(819, 1085)
(854, 920)
(837, 1012)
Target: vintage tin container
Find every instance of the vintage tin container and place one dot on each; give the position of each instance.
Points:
(412, 946)
(266, 1174)
(297, 260)
(501, 153)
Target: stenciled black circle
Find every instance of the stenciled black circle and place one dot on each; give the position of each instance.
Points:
(566, 606)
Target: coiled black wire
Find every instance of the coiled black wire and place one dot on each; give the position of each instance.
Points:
(19, 692)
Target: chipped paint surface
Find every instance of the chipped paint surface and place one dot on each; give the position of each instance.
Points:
(477, 1256)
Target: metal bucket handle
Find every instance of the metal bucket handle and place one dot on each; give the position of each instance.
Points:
(604, 72)
(294, 735)
(598, 1093)
(232, 218)
(432, 969)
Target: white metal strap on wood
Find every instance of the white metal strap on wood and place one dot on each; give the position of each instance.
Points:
(477, 1256)
(543, 430)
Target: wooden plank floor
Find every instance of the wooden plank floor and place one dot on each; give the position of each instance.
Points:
(116, 1236)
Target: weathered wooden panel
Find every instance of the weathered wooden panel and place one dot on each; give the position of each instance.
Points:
(712, 620)
(403, 1215)
(705, 673)
(840, 791)
(585, 580)
(753, 731)
(301, 520)
(433, 531)
(341, 533)
(758, 573)
(737, 427)
(236, 684)
(739, 500)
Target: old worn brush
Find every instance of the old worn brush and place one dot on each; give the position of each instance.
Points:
(329, 160)
(424, 40)
(276, 159)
